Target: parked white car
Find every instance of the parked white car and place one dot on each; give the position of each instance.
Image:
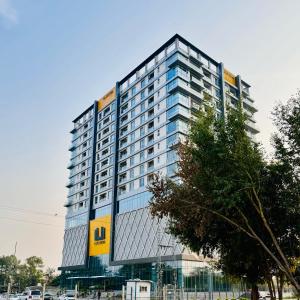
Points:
(31, 295)
(69, 295)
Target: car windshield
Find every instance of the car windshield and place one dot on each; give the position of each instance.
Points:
(35, 292)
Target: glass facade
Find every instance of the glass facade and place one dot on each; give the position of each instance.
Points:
(117, 146)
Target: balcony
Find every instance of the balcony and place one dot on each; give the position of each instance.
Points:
(73, 130)
(197, 83)
(72, 146)
(71, 165)
(68, 203)
(70, 183)
(249, 103)
(251, 126)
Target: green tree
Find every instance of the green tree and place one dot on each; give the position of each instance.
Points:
(34, 265)
(8, 269)
(225, 196)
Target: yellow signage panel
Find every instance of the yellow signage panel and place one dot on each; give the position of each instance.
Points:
(229, 77)
(99, 241)
(106, 99)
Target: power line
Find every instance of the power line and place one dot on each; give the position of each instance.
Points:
(22, 210)
(32, 222)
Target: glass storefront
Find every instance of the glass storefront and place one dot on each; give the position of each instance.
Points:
(190, 276)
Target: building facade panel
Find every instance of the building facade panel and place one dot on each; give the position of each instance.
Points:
(75, 246)
(140, 236)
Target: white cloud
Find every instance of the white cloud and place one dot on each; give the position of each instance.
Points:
(8, 13)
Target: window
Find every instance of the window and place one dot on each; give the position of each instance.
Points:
(204, 61)
(150, 165)
(142, 118)
(143, 83)
(124, 108)
(151, 88)
(132, 102)
(131, 173)
(142, 131)
(105, 141)
(105, 131)
(171, 156)
(133, 90)
(213, 67)
(123, 142)
(132, 113)
(143, 106)
(132, 148)
(150, 113)
(105, 121)
(176, 99)
(206, 74)
(171, 74)
(143, 95)
(124, 119)
(123, 153)
(122, 177)
(131, 161)
(102, 196)
(142, 182)
(105, 151)
(142, 169)
(124, 130)
(151, 76)
(150, 150)
(172, 85)
(150, 138)
(122, 189)
(104, 173)
(150, 101)
(142, 156)
(142, 143)
(103, 184)
(123, 165)
(104, 163)
(177, 125)
(150, 125)
(172, 169)
(143, 289)
(132, 125)
(124, 98)
(131, 186)
(106, 111)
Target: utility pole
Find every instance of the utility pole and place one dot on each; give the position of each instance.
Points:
(159, 289)
(15, 252)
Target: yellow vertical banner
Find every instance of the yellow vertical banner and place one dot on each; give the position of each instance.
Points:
(229, 77)
(107, 99)
(99, 241)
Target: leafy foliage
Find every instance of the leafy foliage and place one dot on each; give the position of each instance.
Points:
(231, 201)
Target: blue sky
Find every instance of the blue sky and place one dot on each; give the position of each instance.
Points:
(56, 57)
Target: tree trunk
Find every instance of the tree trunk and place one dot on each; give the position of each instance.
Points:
(254, 292)
(280, 285)
(271, 291)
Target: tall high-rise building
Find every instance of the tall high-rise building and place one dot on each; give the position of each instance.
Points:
(118, 143)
